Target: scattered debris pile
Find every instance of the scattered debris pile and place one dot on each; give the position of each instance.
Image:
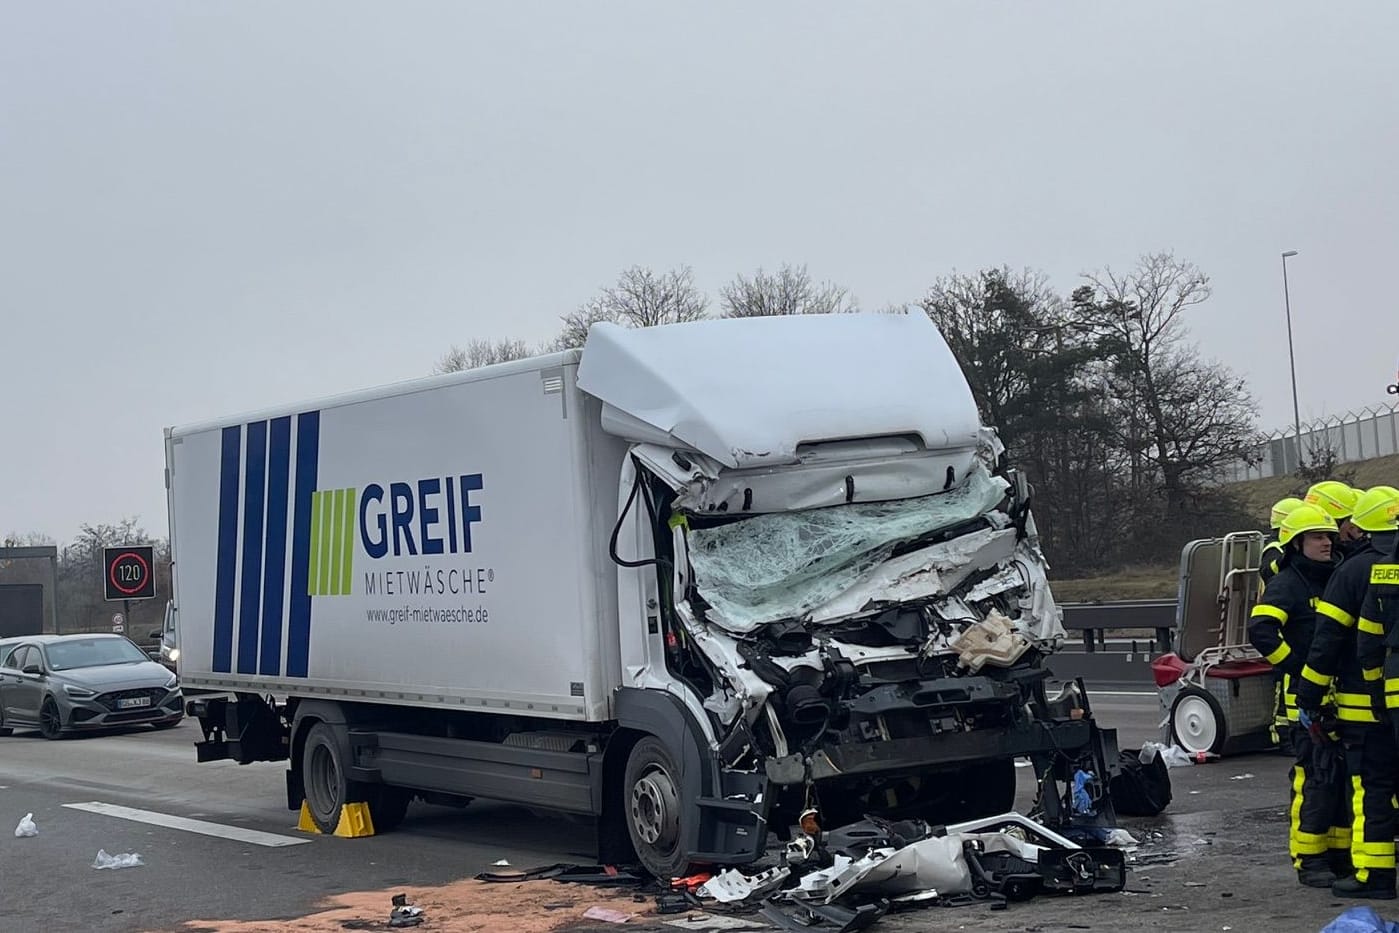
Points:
(846, 879)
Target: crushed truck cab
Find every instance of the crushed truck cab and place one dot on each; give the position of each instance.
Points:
(697, 580)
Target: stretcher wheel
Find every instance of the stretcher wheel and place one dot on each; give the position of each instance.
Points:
(1197, 721)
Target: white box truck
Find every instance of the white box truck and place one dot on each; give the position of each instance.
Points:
(692, 580)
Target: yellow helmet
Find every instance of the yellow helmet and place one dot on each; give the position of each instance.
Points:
(1377, 509)
(1280, 510)
(1334, 498)
(1305, 518)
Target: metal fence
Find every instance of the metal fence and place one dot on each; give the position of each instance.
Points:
(1362, 435)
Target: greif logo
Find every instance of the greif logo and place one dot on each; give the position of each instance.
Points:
(332, 542)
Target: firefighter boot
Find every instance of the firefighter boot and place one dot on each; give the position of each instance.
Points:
(1314, 871)
(1378, 885)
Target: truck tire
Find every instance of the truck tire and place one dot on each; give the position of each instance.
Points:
(388, 806)
(324, 777)
(656, 815)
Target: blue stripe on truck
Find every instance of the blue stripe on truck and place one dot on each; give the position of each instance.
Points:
(274, 577)
(308, 431)
(254, 497)
(228, 549)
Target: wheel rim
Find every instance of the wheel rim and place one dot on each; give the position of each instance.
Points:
(655, 809)
(323, 784)
(48, 719)
(1196, 729)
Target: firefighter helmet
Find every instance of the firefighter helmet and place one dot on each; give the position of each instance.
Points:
(1377, 509)
(1305, 518)
(1280, 510)
(1334, 498)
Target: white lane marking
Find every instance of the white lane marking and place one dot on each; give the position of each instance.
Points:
(237, 834)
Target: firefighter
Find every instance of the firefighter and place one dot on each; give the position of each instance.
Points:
(1333, 664)
(1281, 628)
(1377, 631)
(1338, 500)
(1272, 548)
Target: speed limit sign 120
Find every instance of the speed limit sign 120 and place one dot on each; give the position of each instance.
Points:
(128, 572)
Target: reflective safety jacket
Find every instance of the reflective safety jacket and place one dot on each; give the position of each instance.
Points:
(1377, 629)
(1284, 620)
(1271, 560)
(1333, 664)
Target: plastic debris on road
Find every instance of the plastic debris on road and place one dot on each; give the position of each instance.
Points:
(404, 914)
(1174, 755)
(1361, 920)
(730, 886)
(503, 863)
(606, 915)
(1242, 777)
(124, 860)
(1121, 839)
(26, 827)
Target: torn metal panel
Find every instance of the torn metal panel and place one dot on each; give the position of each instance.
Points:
(807, 378)
(937, 863)
(817, 485)
(731, 887)
(932, 571)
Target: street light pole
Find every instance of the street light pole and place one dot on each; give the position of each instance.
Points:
(1291, 361)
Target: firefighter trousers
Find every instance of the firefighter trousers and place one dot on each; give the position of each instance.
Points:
(1319, 815)
(1372, 760)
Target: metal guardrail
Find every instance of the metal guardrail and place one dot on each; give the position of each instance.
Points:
(1094, 620)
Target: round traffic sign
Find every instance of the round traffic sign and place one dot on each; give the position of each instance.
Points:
(130, 571)
(118, 618)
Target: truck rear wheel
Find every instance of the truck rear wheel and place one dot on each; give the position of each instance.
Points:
(655, 812)
(388, 806)
(324, 777)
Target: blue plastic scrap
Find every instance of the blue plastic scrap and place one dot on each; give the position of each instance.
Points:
(1361, 920)
(1083, 804)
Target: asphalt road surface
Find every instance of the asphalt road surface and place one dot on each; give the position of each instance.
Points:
(1217, 863)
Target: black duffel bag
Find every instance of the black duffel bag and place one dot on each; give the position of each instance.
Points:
(1140, 789)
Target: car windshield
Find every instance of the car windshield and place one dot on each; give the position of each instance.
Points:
(92, 652)
(783, 565)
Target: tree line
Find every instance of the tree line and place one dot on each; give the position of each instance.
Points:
(81, 606)
(1118, 419)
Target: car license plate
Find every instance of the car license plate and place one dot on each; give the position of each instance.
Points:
(133, 702)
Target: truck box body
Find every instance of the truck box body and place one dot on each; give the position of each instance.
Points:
(439, 544)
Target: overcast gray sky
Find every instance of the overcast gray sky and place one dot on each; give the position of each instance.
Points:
(211, 207)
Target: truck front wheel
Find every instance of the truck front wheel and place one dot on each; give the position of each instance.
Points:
(323, 777)
(656, 817)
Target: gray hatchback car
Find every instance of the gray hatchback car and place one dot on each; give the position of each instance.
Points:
(70, 683)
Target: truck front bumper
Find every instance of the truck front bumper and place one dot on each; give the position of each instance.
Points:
(943, 751)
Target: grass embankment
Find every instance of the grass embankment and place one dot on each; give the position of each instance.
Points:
(1256, 496)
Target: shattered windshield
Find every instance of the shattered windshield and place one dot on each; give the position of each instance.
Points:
(783, 565)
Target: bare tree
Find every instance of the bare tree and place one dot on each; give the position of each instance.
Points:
(641, 298)
(1184, 416)
(788, 291)
(479, 353)
(576, 324)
